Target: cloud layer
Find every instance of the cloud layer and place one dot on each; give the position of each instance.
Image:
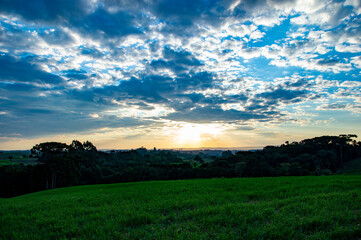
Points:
(103, 66)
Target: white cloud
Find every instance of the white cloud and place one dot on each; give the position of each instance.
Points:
(356, 61)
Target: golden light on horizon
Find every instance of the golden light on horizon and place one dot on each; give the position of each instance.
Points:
(188, 134)
(193, 135)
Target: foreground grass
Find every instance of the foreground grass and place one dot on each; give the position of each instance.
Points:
(254, 208)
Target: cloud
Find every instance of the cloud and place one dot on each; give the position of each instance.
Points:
(45, 11)
(76, 74)
(46, 122)
(282, 94)
(213, 114)
(106, 24)
(176, 61)
(113, 63)
(334, 106)
(327, 62)
(56, 37)
(93, 52)
(21, 70)
(181, 17)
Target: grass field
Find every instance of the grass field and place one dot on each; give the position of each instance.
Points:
(16, 157)
(327, 207)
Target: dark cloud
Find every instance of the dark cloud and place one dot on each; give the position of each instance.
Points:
(214, 114)
(177, 61)
(79, 15)
(44, 10)
(148, 88)
(20, 70)
(187, 12)
(76, 74)
(103, 23)
(259, 105)
(42, 122)
(18, 87)
(15, 38)
(302, 82)
(30, 114)
(327, 62)
(95, 53)
(282, 94)
(335, 106)
(181, 57)
(195, 81)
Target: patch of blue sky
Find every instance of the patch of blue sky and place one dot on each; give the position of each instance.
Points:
(130, 68)
(261, 68)
(229, 37)
(210, 59)
(14, 26)
(6, 83)
(84, 67)
(31, 55)
(275, 34)
(338, 55)
(247, 23)
(141, 47)
(352, 75)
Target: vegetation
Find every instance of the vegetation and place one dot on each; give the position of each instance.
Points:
(351, 167)
(324, 207)
(62, 165)
(15, 157)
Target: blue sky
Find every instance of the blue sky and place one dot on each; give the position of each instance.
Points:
(171, 74)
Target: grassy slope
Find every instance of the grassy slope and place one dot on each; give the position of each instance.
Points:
(254, 208)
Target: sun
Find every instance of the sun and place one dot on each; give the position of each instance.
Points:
(195, 135)
(188, 135)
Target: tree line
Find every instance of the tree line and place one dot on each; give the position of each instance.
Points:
(62, 165)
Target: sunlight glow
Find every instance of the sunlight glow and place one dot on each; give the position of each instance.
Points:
(192, 135)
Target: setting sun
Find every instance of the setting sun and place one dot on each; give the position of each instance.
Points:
(188, 134)
(193, 135)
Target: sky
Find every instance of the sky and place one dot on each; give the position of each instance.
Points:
(178, 74)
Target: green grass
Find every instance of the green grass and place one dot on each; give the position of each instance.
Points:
(327, 207)
(16, 157)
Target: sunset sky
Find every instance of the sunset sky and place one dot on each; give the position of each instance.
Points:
(178, 74)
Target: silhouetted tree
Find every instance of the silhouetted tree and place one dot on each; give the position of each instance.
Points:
(227, 154)
(49, 148)
(88, 146)
(198, 159)
(76, 146)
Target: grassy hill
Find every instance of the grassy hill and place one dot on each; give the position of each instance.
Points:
(327, 207)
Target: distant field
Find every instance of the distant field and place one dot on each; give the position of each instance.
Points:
(327, 207)
(15, 157)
